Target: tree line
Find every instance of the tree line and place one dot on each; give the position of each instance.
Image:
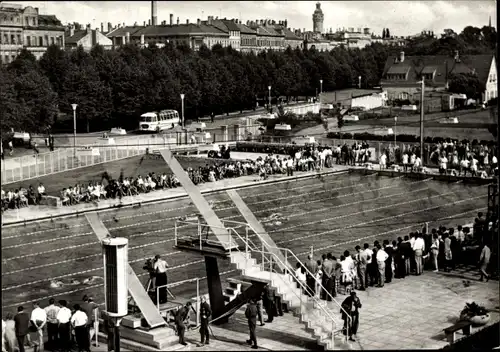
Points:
(114, 87)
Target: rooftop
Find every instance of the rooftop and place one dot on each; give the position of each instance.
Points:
(181, 29)
(75, 37)
(441, 65)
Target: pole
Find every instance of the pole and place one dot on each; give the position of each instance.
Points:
(395, 122)
(117, 335)
(74, 134)
(182, 112)
(422, 121)
(269, 88)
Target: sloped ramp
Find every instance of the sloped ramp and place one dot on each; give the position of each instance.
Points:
(257, 226)
(199, 201)
(135, 288)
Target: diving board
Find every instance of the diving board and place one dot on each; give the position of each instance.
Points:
(135, 288)
(257, 226)
(199, 201)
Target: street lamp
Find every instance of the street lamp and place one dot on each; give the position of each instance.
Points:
(182, 110)
(74, 129)
(395, 122)
(320, 86)
(269, 88)
(359, 82)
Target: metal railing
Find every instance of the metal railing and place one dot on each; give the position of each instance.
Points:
(250, 247)
(288, 253)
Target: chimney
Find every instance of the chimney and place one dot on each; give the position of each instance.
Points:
(177, 20)
(187, 20)
(135, 24)
(123, 24)
(149, 22)
(110, 27)
(198, 22)
(71, 30)
(142, 39)
(128, 37)
(102, 27)
(94, 37)
(171, 19)
(144, 23)
(285, 23)
(209, 20)
(153, 13)
(457, 57)
(88, 28)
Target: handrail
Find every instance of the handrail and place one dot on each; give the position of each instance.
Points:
(303, 286)
(290, 268)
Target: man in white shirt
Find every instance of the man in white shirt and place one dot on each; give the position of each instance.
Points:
(381, 257)
(289, 167)
(79, 322)
(383, 161)
(52, 324)
(405, 161)
(39, 319)
(370, 270)
(63, 318)
(419, 248)
(160, 267)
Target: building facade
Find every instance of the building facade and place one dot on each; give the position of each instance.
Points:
(402, 74)
(23, 27)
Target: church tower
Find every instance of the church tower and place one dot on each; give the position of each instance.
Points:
(318, 18)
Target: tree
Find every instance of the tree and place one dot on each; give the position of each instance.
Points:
(84, 87)
(54, 64)
(466, 83)
(387, 33)
(36, 102)
(383, 33)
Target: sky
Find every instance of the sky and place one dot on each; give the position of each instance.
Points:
(403, 18)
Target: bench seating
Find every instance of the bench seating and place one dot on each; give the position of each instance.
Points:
(463, 325)
(51, 201)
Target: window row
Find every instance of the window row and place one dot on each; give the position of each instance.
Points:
(17, 39)
(393, 76)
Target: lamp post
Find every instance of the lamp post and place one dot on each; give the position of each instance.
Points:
(74, 106)
(395, 122)
(422, 88)
(182, 110)
(320, 89)
(269, 88)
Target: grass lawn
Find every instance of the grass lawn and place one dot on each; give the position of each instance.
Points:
(331, 213)
(133, 166)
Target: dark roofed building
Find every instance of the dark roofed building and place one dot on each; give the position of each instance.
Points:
(401, 74)
(193, 35)
(248, 38)
(118, 35)
(87, 38)
(292, 40)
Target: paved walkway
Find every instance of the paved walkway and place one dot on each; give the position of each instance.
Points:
(408, 313)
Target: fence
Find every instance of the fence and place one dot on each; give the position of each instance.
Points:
(66, 158)
(121, 147)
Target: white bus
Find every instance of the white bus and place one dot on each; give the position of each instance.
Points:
(159, 121)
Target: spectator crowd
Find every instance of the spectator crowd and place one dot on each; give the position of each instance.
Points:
(304, 159)
(451, 157)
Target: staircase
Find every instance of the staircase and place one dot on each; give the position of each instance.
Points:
(322, 319)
